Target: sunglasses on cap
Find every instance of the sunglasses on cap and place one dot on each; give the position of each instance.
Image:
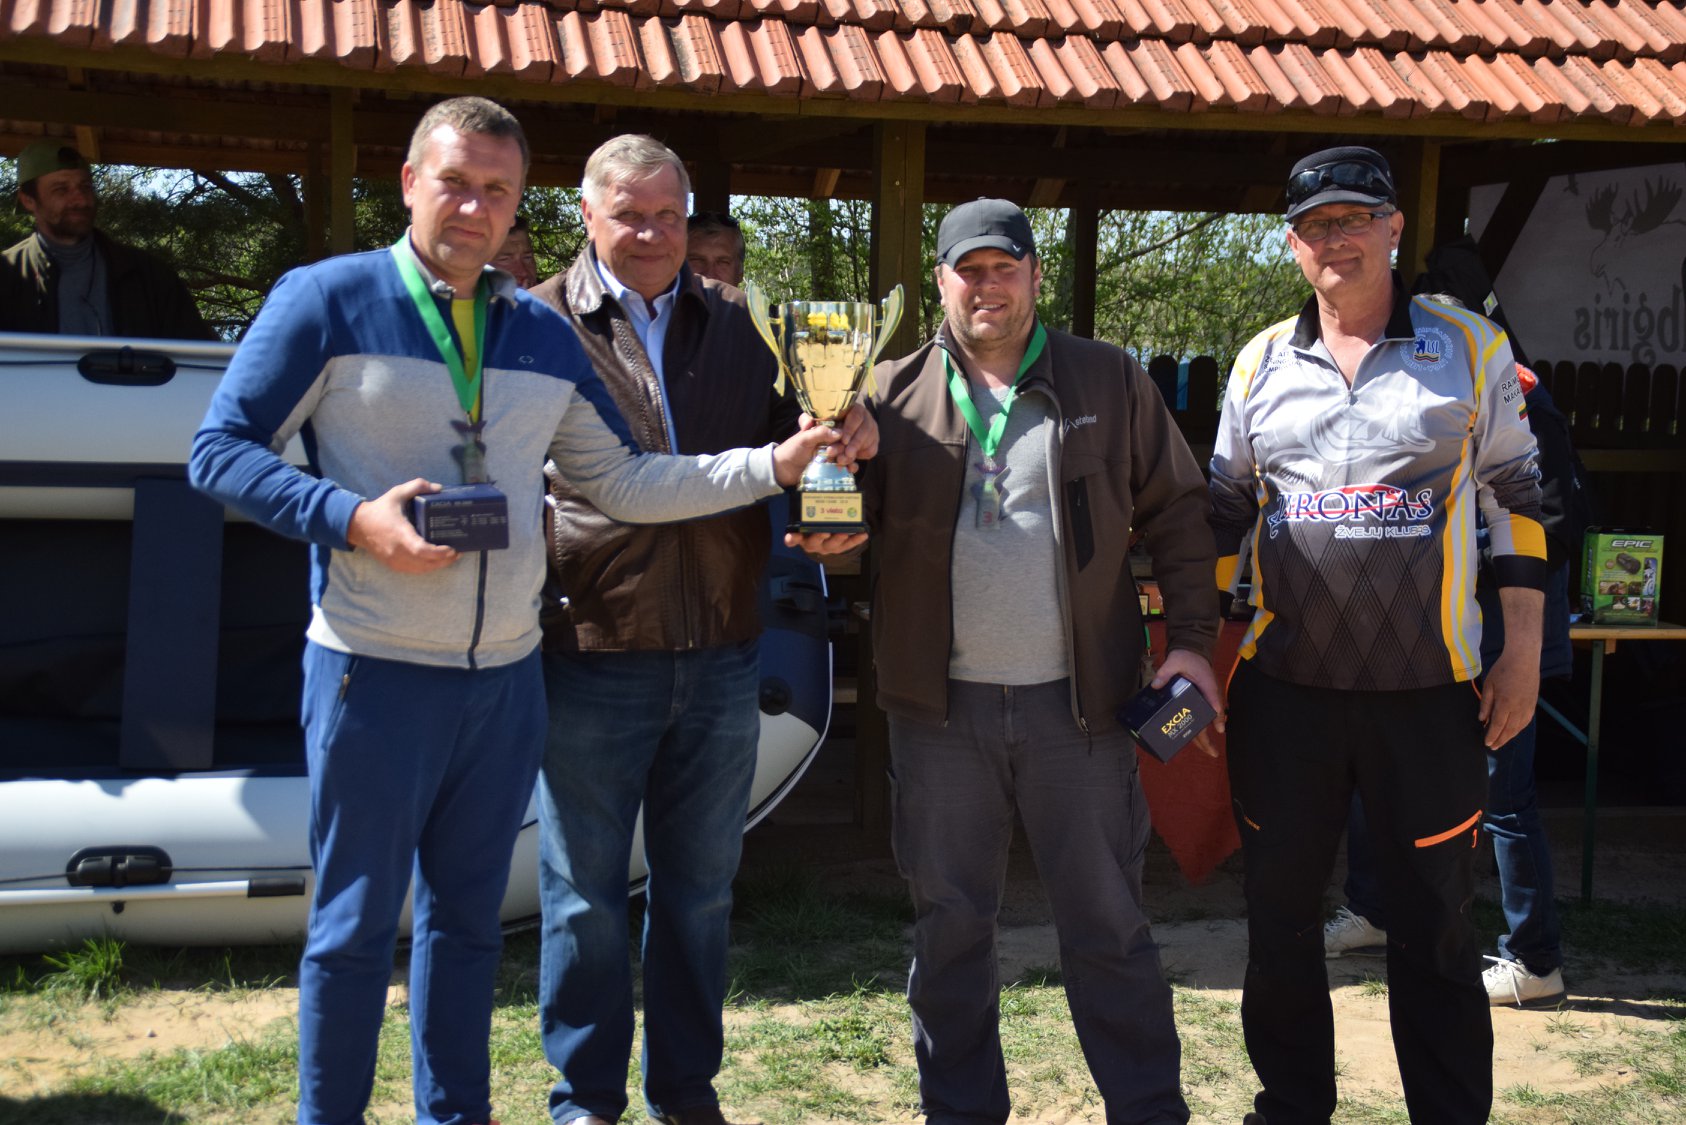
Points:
(1348, 175)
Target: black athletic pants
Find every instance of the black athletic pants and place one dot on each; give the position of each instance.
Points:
(1416, 757)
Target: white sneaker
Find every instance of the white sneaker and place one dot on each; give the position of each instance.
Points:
(1347, 933)
(1510, 982)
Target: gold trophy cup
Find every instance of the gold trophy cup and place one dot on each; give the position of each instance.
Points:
(826, 349)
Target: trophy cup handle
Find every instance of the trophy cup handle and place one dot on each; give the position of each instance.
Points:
(760, 314)
(889, 316)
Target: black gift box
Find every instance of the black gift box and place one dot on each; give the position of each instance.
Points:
(1166, 719)
(469, 517)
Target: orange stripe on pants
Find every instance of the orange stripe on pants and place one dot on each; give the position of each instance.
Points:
(1430, 841)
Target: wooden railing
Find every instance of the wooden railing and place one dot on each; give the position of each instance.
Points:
(1614, 407)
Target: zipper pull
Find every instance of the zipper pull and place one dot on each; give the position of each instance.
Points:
(345, 685)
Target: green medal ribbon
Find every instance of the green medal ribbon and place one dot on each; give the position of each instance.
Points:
(466, 383)
(989, 437)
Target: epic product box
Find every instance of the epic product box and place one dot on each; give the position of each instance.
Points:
(469, 517)
(1620, 575)
(1166, 719)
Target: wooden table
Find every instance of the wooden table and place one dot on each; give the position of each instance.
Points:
(1603, 639)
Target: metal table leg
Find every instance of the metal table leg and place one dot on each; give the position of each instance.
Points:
(1594, 707)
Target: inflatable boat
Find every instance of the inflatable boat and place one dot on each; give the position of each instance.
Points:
(152, 780)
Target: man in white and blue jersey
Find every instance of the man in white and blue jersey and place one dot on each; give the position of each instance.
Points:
(1357, 443)
(424, 707)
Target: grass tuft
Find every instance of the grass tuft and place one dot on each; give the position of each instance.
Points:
(92, 971)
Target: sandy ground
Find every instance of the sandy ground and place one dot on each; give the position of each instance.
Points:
(1203, 939)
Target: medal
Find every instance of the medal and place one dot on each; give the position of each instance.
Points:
(990, 494)
(473, 515)
(471, 454)
(989, 491)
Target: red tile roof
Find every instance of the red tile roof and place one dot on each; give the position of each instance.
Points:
(1542, 63)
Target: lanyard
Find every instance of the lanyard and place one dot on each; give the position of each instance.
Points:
(989, 438)
(466, 383)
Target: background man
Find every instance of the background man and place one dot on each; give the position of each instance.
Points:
(68, 277)
(1355, 445)
(1016, 465)
(651, 660)
(516, 258)
(715, 247)
(423, 706)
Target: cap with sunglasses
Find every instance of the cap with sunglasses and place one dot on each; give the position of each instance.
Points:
(1351, 174)
(44, 156)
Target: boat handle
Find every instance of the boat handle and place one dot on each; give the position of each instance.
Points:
(126, 367)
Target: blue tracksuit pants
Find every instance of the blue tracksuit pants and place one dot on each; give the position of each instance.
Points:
(423, 771)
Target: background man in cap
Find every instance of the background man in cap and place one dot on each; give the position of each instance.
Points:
(651, 660)
(68, 277)
(1356, 443)
(715, 247)
(1016, 465)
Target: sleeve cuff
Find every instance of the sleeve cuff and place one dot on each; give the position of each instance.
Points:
(1520, 570)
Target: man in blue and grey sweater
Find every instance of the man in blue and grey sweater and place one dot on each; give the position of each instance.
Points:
(424, 708)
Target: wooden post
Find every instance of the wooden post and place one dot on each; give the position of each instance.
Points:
(898, 204)
(711, 189)
(87, 139)
(342, 166)
(1417, 176)
(316, 204)
(1085, 239)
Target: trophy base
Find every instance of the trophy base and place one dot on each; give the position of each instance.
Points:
(829, 512)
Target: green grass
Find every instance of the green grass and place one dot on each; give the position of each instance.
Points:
(92, 971)
(817, 1030)
(1373, 987)
(1648, 1086)
(795, 939)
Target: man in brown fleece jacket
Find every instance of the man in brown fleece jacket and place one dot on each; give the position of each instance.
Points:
(1015, 467)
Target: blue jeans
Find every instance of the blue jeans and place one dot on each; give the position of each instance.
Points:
(1520, 849)
(954, 789)
(677, 734)
(413, 770)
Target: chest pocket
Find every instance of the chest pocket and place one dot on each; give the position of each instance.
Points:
(1085, 485)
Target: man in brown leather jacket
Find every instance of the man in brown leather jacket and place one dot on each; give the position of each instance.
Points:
(651, 660)
(1016, 465)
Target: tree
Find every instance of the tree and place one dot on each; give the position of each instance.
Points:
(1167, 283)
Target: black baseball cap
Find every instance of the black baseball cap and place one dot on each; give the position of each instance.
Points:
(1350, 174)
(984, 224)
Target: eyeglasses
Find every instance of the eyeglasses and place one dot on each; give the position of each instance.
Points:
(1349, 175)
(1316, 230)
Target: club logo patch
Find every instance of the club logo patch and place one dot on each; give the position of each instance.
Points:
(1431, 346)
